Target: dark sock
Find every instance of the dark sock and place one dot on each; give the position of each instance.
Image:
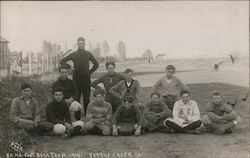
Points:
(78, 115)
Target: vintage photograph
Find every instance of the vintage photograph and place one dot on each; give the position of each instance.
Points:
(124, 79)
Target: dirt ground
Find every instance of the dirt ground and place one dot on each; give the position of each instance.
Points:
(154, 145)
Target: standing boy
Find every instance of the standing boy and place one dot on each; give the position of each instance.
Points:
(82, 73)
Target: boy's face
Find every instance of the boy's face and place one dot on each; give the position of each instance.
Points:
(81, 44)
(58, 96)
(185, 98)
(127, 104)
(216, 99)
(110, 69)
(99, 98)
(26, 92)
(155, 99)
(169, 73)
(129, 76)
(64, 73)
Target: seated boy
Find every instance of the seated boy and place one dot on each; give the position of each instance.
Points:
(220, 118)
(169, 86)
(58, 113)
(155, 113)
(98, 115)
(128, 87)
(25, 112)
(186, 115)
(127, 119)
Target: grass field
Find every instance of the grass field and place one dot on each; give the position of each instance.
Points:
(158, 145)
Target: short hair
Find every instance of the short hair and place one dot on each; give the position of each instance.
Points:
(171, 67)
(99, 91)
(215, 93)
(25, 85)
(81, 39)
(184, 92)
(58, 89)
(155, 93)
(64, 66)
(128, 99)
(109, 63)
(128, 71)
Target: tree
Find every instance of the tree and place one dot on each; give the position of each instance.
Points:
(105, 46)
(122, 50)
(148, 56)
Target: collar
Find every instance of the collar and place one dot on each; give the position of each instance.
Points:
(22, 97)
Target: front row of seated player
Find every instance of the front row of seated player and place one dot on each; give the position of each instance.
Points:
(128, 119)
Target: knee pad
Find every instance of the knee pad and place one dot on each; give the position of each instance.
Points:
(89, 125)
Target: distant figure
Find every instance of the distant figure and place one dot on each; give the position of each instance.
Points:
(127, 120)
(109, 80)
(128, 87)
(25, 112)
(81, 74)
(217, 65)
(169, 86)
(186, 115)
(220, 117)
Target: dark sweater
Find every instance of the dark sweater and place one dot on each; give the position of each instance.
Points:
(58, 112)
(81, 59)
(124, 115)
(108, 81)
(68, 86)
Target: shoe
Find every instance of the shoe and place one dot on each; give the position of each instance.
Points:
(237, 120)
(219, 131)
(229, 131)
(196, 131)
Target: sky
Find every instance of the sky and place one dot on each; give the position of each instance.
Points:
(180, 29)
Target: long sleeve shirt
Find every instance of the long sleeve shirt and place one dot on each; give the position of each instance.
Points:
(160, 108)
(189, 111)
(216, 112)
(58, 112)
(124, 115)
(80, 59)
(68, 86)
(121, 89)
(173, 87)
(108, 81)
(21, 110)
(96, 111)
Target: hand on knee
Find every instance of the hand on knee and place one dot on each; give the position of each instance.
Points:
(106, 131)
(205, 120)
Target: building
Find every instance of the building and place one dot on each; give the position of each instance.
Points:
(161, 57)
(3, 53)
